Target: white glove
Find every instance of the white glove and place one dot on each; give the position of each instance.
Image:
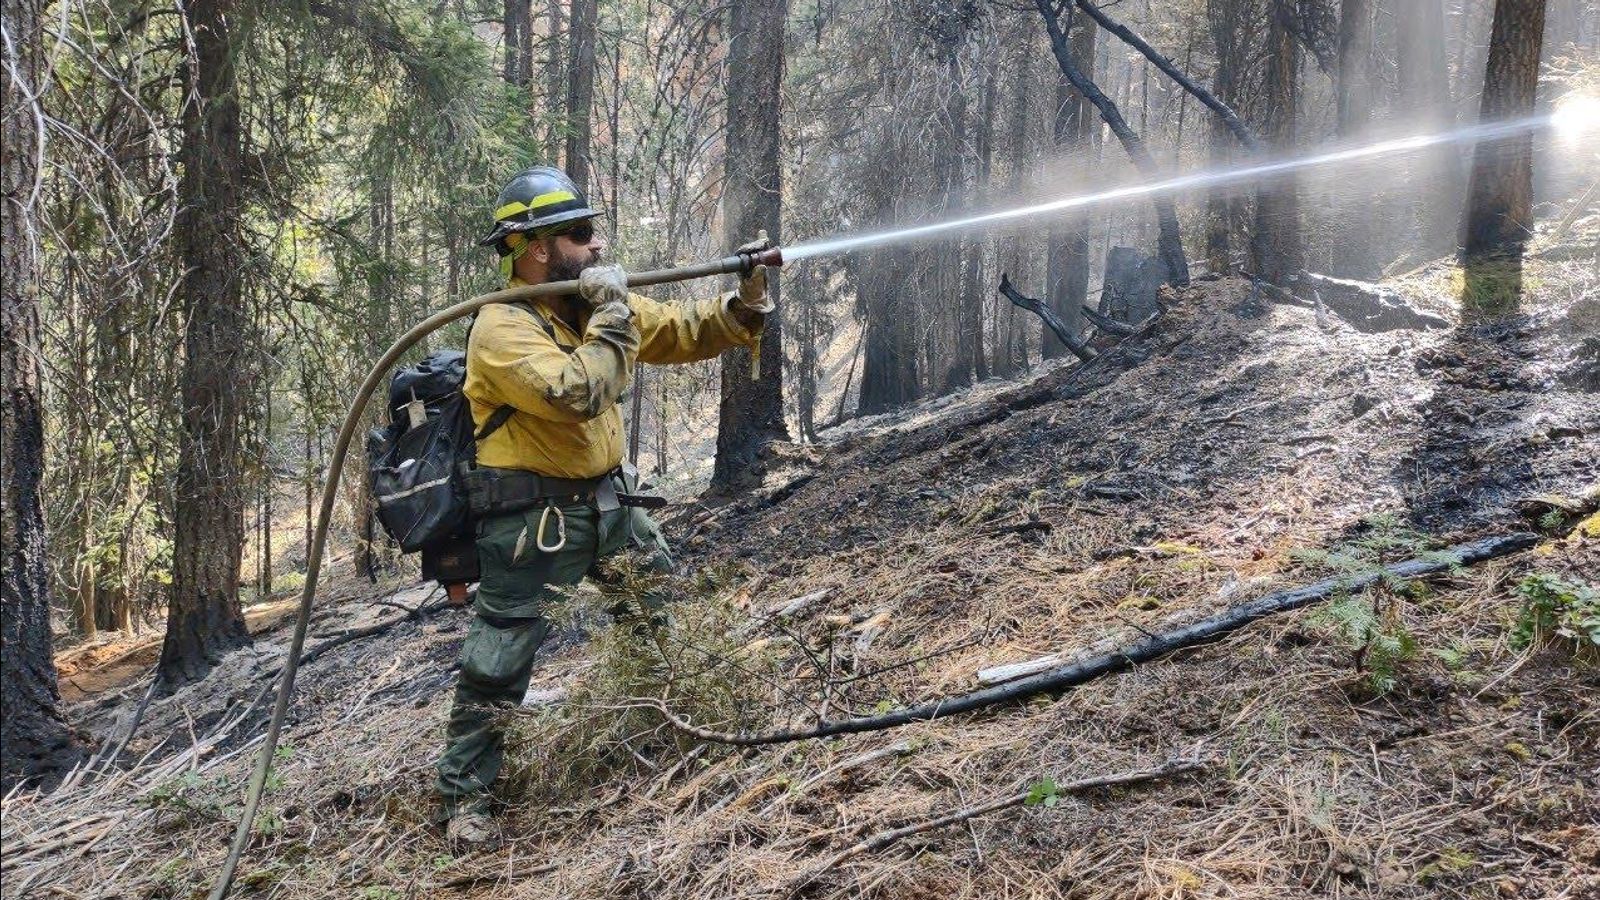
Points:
(603, 286)
(753, 287)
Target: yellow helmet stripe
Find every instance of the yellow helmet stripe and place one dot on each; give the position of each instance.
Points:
(546, 199)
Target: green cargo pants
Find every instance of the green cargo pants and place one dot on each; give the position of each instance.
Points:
(513, 595)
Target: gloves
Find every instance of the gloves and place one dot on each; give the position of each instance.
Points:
(603, 286)
(753, 287)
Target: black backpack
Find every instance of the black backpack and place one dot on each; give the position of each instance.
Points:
(416, 462)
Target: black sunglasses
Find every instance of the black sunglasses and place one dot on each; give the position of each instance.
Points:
(581, 232)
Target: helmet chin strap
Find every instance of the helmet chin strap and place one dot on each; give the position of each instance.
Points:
(516, 245)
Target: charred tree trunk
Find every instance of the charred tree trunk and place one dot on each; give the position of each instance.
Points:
(889, 368)
(1275, 248)
(1499, 214)
(37, 741)
(203, 616)
(1169, 241)
(1067, 263)
(751, 411)
(1424, 76)
(1227, 20)
(580, 89)
(1353, 252)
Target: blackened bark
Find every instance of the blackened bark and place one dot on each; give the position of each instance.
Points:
(1228, 22)
(1499, 215)
(1354, 252)
(1275, 246)
(37, 742)
(203, 616)
(1170, 241)
(889, 364)
(751, 411)
(580, 89)
(1067, 262)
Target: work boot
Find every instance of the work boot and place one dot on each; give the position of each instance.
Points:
(472, 830)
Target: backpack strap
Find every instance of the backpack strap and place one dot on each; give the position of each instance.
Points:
(543, 323)
(495, 420)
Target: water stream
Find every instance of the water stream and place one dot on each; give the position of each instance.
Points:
(1203, 179)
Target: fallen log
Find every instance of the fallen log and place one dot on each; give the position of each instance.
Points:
(1366, 306)
(1062, 331)
(1151, 647)
(1108, 324)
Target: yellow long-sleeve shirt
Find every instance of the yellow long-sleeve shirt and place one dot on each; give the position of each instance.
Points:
(564, 389)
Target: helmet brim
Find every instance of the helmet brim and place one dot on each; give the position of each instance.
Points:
(504, 229)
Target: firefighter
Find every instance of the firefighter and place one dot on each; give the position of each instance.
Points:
(549, 493)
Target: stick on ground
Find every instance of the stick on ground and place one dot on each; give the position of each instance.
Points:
(1151, 647)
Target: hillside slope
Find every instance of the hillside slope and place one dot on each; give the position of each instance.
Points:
(1235, 446)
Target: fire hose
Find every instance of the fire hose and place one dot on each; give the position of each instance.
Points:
(741, 263)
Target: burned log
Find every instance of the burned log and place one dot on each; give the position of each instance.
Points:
(1367, 307)
(1062, 331)
(1108, 324)
(1153, 646)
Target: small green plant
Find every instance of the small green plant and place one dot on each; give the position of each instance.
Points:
(1558, 613)
(1043, 792)
(1378, 643)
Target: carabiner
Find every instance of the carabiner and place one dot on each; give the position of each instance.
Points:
(561, 529)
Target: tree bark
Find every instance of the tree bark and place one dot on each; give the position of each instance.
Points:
(1169, 241)
(1499, 214)
(1228, 20)
(580, 89)
(1354, 252)
(751, 410)
(1275, 246)
(1424, 80)
(1067, 262)
(203, 616)
(518, 23)
(37, 741)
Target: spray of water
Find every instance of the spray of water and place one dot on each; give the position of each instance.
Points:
(1488, 131)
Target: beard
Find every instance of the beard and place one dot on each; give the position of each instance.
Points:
(567, 268)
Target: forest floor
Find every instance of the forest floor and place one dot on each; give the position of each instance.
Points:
(1236, 446)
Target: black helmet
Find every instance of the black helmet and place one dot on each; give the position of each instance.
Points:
(537, 198)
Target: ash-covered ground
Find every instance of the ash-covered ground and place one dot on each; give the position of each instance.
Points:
(1405, 743)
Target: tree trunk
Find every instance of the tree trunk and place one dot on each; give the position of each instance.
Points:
(580, 89)
(555, 82)
(1500, 197)
(751, 412)
(1169, 241)
(1067, 263)
(1227, 24)
(1424, 77)
(889, 365)
(37, 741)
(203, 616)
(1275, 247)
(1354, 253)
(518, 22)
